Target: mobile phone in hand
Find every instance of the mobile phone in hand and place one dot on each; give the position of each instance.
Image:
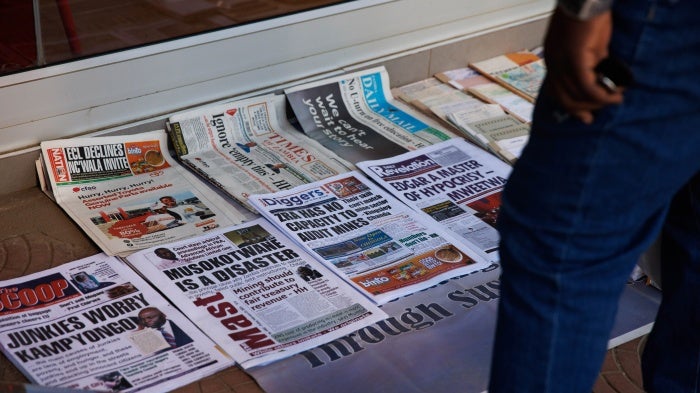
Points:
(614, 73)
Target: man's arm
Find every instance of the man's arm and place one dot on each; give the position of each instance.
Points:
(573, 47)
(584, 9)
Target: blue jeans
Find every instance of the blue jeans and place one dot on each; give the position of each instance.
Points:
(584, 201)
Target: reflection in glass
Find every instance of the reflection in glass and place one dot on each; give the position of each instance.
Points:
(70, 29)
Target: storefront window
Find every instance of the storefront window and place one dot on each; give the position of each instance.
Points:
(44, 32)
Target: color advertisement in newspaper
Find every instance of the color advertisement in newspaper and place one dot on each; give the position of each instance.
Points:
(94, 324)
(260, 296)
(355, 116)
(453, 183)
(248, 147)
(127, 192)
(369, 238)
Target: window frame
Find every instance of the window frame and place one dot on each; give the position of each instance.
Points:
(134, 85)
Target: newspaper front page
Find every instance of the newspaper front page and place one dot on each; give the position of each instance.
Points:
(453, 183)
(369, 238)
(94, 324)
(248, 147)
(258, 295)
(127, 193)
(355, 116)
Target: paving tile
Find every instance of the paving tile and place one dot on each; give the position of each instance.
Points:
(602, 386)
(622, 384)
(630, 365)
(609, 364)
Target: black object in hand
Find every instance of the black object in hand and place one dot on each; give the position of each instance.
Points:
(613, 73)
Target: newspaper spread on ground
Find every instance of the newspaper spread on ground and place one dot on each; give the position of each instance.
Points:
(369, 238)
(454, 183)
(248, 147)
(356, 117)
(94, 324)
(260, 296)
(437, 340)
(128, 193)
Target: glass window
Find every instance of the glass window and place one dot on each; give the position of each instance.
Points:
(44, 32)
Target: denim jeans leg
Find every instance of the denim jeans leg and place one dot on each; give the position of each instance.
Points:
(584, 201)
(671, 360)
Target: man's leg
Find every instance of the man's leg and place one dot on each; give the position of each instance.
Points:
(671, 361)
(584, 201)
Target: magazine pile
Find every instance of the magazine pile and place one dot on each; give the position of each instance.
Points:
(248, 147)
(366, 236)
(94, 324)
(259, 295)
(452, 183)
(520, 72)
(127, 193)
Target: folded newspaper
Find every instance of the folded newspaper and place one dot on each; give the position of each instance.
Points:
(521, 72)
(503, 135)
(260, 296)
(454, 184)
(94, 324)
(128, 193)
(355, 116)
(248, 147)
(366, 236)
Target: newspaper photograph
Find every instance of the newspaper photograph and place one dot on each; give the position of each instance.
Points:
(369, 238)
(94, 324)
(127, 193)
(248, 147)
(355, 116)
(260, 296)
(453, 183)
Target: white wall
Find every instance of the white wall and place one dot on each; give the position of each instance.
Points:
(117, 89)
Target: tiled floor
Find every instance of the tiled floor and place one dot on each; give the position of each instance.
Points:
(35, 235)
(621, 372)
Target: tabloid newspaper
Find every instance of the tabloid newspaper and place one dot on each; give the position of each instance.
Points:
(248, 147)
(128, 193)
(355, 116)
(369, 238)
(453, 183)
(94, 324)
(260, 296)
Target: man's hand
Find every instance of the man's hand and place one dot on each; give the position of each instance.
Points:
(572, 50)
